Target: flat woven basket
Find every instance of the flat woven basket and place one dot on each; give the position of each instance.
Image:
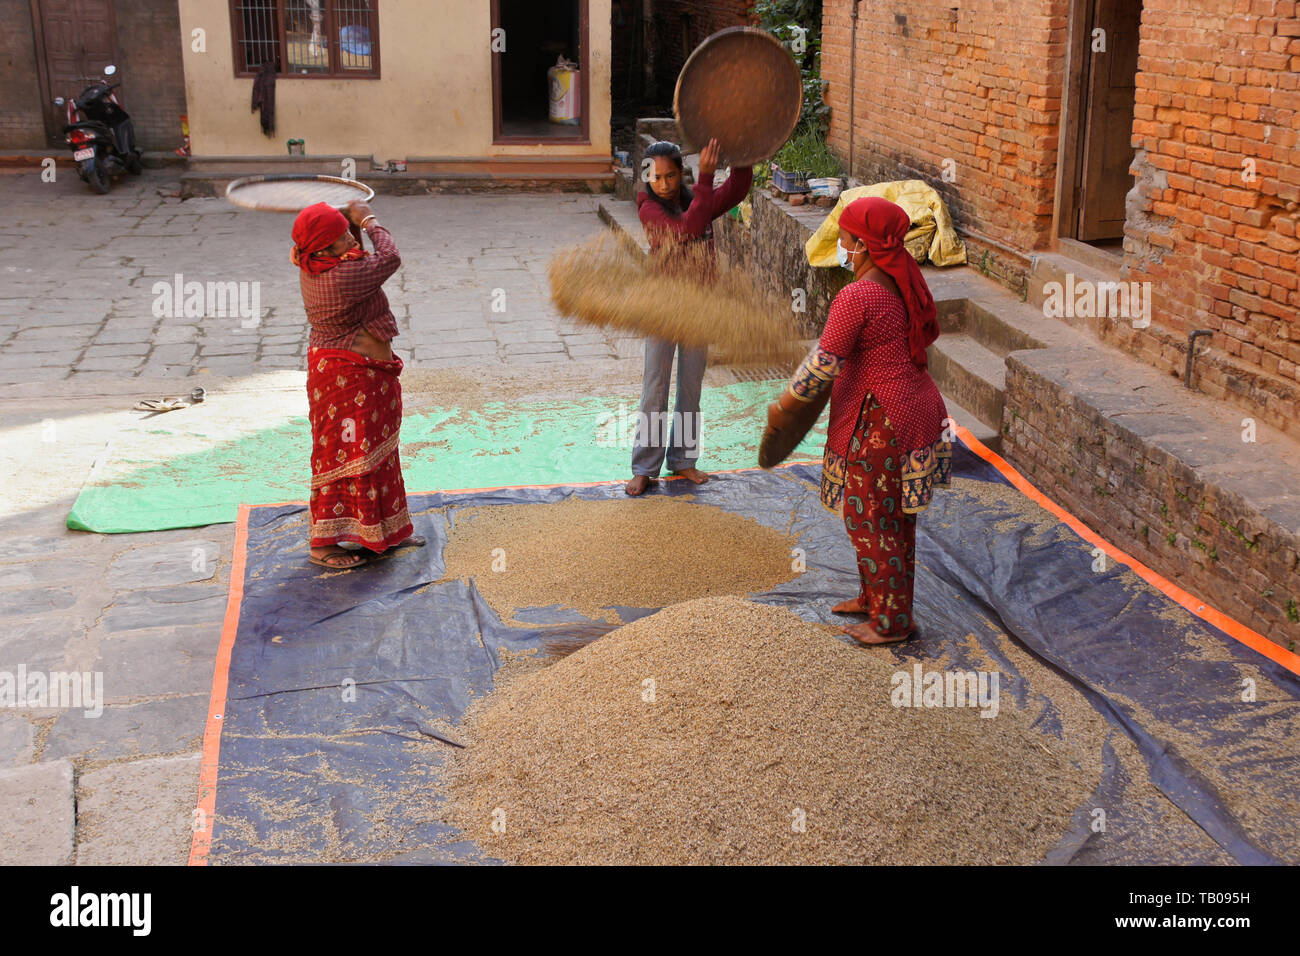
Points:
(742, 87)
(293, 192)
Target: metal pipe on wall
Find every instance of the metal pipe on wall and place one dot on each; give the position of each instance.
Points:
(853, 63)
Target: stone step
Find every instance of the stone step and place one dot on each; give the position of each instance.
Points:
(1052, 267)
(973, 375)
(621, 216)
(986, 434)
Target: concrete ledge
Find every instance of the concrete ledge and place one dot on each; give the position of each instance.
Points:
(1164, 474)
(63, 157)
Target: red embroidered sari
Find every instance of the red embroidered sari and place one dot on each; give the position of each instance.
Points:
(357, 493)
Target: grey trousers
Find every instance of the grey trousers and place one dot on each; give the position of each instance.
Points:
(682, 442)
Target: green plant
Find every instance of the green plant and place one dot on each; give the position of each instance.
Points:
(1171, 538)
(1292, 612)
(806, 151)
(777, 17)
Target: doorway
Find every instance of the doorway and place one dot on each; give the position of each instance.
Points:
(537, 33)
(1097, 127)
(76, 39)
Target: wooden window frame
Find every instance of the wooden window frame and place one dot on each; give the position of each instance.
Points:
(582, 137)
(236, 32)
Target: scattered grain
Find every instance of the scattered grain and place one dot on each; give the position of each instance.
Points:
(594, 555)
(759, 721)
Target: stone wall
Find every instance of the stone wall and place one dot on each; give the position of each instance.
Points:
(1156, 484)
(771, 249)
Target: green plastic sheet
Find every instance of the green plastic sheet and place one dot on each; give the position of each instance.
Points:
(443, 449)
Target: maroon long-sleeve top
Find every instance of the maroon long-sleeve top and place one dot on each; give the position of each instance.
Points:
(694, 222)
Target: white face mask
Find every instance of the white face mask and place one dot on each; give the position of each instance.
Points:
(844, 257)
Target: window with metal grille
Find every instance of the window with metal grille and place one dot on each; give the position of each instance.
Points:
(306, 37)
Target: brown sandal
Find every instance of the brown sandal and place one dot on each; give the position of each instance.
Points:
(324, 562)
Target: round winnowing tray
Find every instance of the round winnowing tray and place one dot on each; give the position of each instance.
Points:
(742, 87)
(292, 192)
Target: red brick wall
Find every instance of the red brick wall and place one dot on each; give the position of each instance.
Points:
(980, 87)
(1219, 85)
(22, 124)
(153, 82)
(153, 78)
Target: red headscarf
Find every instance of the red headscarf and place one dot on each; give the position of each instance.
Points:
(319, 227)
(882, 225)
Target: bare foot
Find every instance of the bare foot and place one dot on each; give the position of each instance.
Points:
(693, 474)
(340, 559)
(851, 606)
(864, 633)
(637, 486)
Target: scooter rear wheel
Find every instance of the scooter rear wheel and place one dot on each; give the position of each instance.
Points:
(133, 164)
(95, 174)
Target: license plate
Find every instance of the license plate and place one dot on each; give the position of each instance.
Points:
(81, 154)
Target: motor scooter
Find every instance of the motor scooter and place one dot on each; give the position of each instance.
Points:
(101, 134)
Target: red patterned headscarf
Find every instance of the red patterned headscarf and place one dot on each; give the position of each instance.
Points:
(882, 225)
(319, 227)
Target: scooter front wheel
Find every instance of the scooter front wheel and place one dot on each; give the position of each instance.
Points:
(93, 172)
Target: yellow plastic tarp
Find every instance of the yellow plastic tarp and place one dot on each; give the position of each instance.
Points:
(931, 236)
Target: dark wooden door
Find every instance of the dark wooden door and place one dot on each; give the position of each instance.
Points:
(78, 39)
(1110, 90)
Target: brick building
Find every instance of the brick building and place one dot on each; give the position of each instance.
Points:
(55, 48)
(1161, 135)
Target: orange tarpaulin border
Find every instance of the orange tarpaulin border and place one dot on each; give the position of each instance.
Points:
(1252, 639)
(205, 815)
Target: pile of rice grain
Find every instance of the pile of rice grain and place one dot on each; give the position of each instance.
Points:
(767, 740)
(592, 555)
(607, 282)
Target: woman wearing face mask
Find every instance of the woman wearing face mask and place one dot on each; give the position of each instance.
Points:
(675, 218)
(885, 451)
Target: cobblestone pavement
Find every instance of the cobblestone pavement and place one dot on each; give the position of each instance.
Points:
(472, 286)
(81, 339)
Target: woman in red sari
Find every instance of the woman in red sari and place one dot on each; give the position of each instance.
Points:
(358, 499)
(885, 448)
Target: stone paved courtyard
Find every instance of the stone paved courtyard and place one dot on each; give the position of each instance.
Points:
(80, 343)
